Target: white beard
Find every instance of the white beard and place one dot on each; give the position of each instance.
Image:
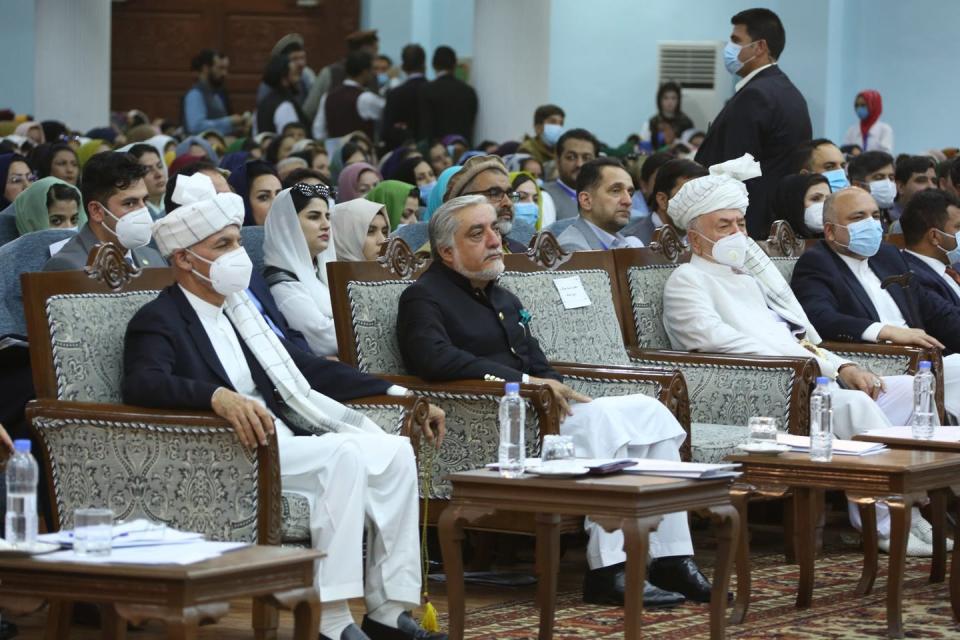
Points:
(486, 275)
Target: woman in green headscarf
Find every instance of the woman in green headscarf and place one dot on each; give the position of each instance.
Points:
(401, 199)
(91, 148)
(49, 203)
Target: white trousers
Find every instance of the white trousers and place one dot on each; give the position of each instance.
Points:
(353, 482)
(634, 426)
(855, 412)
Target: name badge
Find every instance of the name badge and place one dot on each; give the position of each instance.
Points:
(572, 293)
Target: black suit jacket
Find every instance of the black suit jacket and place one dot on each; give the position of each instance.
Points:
(401, 114)
(259, 288)
(767, 118)
(450, 331)
(930, 280)
(840, 308)
(447, 105)
(169, 363)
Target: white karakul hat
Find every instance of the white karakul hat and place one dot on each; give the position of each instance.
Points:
(722, 189)
(203, 212)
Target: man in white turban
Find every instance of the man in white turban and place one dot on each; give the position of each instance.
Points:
(730, 298)
(203, 344)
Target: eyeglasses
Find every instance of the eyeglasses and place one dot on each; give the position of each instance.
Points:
(496, 194)
(17, 178)
(314, 190)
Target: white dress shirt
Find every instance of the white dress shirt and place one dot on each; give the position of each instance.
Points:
(939, 268)
(747, 78)
(883, 302)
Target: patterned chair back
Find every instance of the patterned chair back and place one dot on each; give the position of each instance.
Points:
(25, 254)
(785, 266)
(646, 304)
(373, 315)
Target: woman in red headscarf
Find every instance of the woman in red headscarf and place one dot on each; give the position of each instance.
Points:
(870, 134)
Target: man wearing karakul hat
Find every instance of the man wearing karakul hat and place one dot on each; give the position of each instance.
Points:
(202, 344)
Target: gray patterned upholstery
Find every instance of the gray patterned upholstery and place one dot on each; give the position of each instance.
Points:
(604, 388)
(373, 312)
(295, 511)
(785, 266)
(188, 478)
(880, 364)
(86, 334)
(714, 442)
(590, 334)
(646, 295)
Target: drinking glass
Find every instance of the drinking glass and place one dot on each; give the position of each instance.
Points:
(92, 531)
(557, 448)
(763, 431)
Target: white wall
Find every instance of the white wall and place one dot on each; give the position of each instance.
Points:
(16, 51)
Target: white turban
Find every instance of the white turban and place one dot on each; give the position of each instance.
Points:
(203, 212)
(722, 189)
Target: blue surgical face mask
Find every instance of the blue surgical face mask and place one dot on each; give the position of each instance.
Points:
(551, 133)
(865, 237)
(953, 255)
(837, 179)
(731, 57)
(527, 212)
(863, 112)
(425, 191)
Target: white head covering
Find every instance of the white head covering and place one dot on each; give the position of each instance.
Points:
(351, 219)
(722, 189)
(158, 142)
(203, 212)
(284, 247)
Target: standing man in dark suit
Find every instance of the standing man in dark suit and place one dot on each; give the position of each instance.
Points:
(114, 195)
(844, 285)
(448, 105)
(931, 232)
(766, 117)
(401, 116)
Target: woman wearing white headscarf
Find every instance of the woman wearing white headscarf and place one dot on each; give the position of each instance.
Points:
(360, 226)
(296, 249)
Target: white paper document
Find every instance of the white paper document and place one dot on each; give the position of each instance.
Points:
(673, 469)
(840, 447)
(135, 533)
(572, 293)
(180, 554)
(941, 434)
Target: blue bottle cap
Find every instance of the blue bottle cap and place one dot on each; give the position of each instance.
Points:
(21, 446)
(823, 380)
(512, 387)
(924, 365)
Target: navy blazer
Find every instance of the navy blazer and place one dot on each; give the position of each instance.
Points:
(768, 118)
(930, 279)
(169, 363)
(840, 309)
(450, 331)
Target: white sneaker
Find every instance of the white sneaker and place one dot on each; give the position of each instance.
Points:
(923, 530)
(916, 548)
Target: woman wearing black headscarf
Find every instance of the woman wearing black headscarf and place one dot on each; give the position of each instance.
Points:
(258, 184)
(799, 201)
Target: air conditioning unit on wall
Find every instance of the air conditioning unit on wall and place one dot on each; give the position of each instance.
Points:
(698, 68)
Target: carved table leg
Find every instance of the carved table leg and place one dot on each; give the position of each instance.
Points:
(181, 622)
(740, 496)
(938, 518)
(868, 533)
(900, 507)
(305, 604)
(58, 619)
(548, 560)
(728, 538)
(266, 619)
(636, 544)
(806, 517)
(450, 529)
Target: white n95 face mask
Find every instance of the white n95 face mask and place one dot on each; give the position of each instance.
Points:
(134, 229)
(728, 250)
(230, 273)
(813, 217)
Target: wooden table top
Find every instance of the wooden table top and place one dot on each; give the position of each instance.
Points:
(249, 558)
(912, 443)
(890, 461)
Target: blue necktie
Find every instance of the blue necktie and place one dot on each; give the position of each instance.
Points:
(270, 323)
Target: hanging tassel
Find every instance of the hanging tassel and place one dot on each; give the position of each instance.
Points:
(428, 619)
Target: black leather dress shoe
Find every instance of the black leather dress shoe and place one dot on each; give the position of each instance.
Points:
(407, 629)
(680, 574)
(606, 586)
(351, 632)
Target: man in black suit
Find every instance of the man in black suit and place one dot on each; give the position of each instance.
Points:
(844, 284)
(401, 115)
(201, 344)
(767, 116)
(457, 323)
(931, 224)
(448, 105)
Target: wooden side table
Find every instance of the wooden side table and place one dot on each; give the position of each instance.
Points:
(635, 504)
(179, 595)
(900, 477)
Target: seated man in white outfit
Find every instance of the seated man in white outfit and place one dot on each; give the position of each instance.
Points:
(731, 299)
(202, 344)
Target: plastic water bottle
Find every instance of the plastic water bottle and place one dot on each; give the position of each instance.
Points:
(924, 418)
(821, 422)
(512, 415)
(21, 518)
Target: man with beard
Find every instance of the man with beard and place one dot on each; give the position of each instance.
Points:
(203, 107)
(605, 197)
(575, 148)
(487, 176)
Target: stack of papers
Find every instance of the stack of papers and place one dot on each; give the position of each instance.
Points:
(689, 470)
(136, 533)
(942, 434)
(840, 447)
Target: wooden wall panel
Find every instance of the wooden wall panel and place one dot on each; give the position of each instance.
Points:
(154, 41)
